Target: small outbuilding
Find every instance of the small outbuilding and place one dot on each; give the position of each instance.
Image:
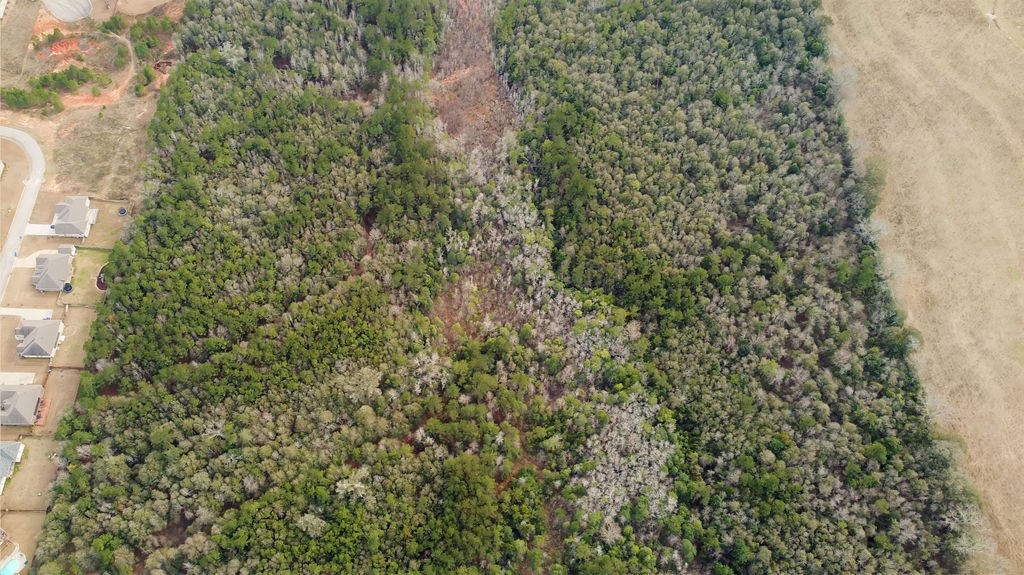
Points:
(39, 338)
(73, 217)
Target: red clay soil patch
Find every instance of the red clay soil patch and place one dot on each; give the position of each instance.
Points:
(104, 99)
(469, 97)
(45, 23)
(65, 46)
(42, 412)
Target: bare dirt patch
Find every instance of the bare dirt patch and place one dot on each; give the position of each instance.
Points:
(104, 9)
(466, 90)
(138, 7)
(936, 89)
(28, 489)
(23, 528)
(103, 151)
(15, 35)
(60, 392)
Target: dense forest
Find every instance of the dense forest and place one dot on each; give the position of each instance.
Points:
(648, 336)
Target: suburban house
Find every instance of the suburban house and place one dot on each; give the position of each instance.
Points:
(19, 404)
(39, 338)
(10, 455)
(72, 218)
(53, 270)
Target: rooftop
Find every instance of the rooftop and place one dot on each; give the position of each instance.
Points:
(18, 404)
(72, 217)
(52, 271)
(10, 454)
(39, 338)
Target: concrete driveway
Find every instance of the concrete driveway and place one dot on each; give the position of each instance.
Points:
(39, 230)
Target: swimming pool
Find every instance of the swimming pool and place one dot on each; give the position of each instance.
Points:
(14, 565)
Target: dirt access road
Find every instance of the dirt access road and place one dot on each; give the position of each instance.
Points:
(935, 88)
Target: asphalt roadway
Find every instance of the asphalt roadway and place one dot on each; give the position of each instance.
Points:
(37, 166)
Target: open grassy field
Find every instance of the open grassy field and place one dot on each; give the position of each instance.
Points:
(77, 324)
(935, 88)
(88, 262)
(109, 226)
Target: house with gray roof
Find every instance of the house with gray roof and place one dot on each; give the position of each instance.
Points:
(19, 404)
(72, 218)
(10, 455)
(53, 270)
(39, 338)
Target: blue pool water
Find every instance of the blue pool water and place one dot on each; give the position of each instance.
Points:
(13, 565)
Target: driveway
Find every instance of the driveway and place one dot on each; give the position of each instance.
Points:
(39, 230)
(17, 378)
(37, 166)
(28, 313)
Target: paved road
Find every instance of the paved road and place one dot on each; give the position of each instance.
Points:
(37, 166)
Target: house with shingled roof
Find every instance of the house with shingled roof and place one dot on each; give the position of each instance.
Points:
(72, 217)
(39, 338)
(53, 270)
(10, 455)
(19, 404)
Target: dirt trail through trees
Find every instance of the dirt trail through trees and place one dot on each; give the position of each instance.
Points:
(467, 93)
(936, 89)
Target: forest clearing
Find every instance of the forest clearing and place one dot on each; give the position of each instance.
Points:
(935, 90)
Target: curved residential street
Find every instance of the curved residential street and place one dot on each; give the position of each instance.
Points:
(37, 166)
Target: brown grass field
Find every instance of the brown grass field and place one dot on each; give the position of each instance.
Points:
(28, 489)
(60, 392)
(11, 183)
(109, 226)
(935, 89)
(77, 325)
